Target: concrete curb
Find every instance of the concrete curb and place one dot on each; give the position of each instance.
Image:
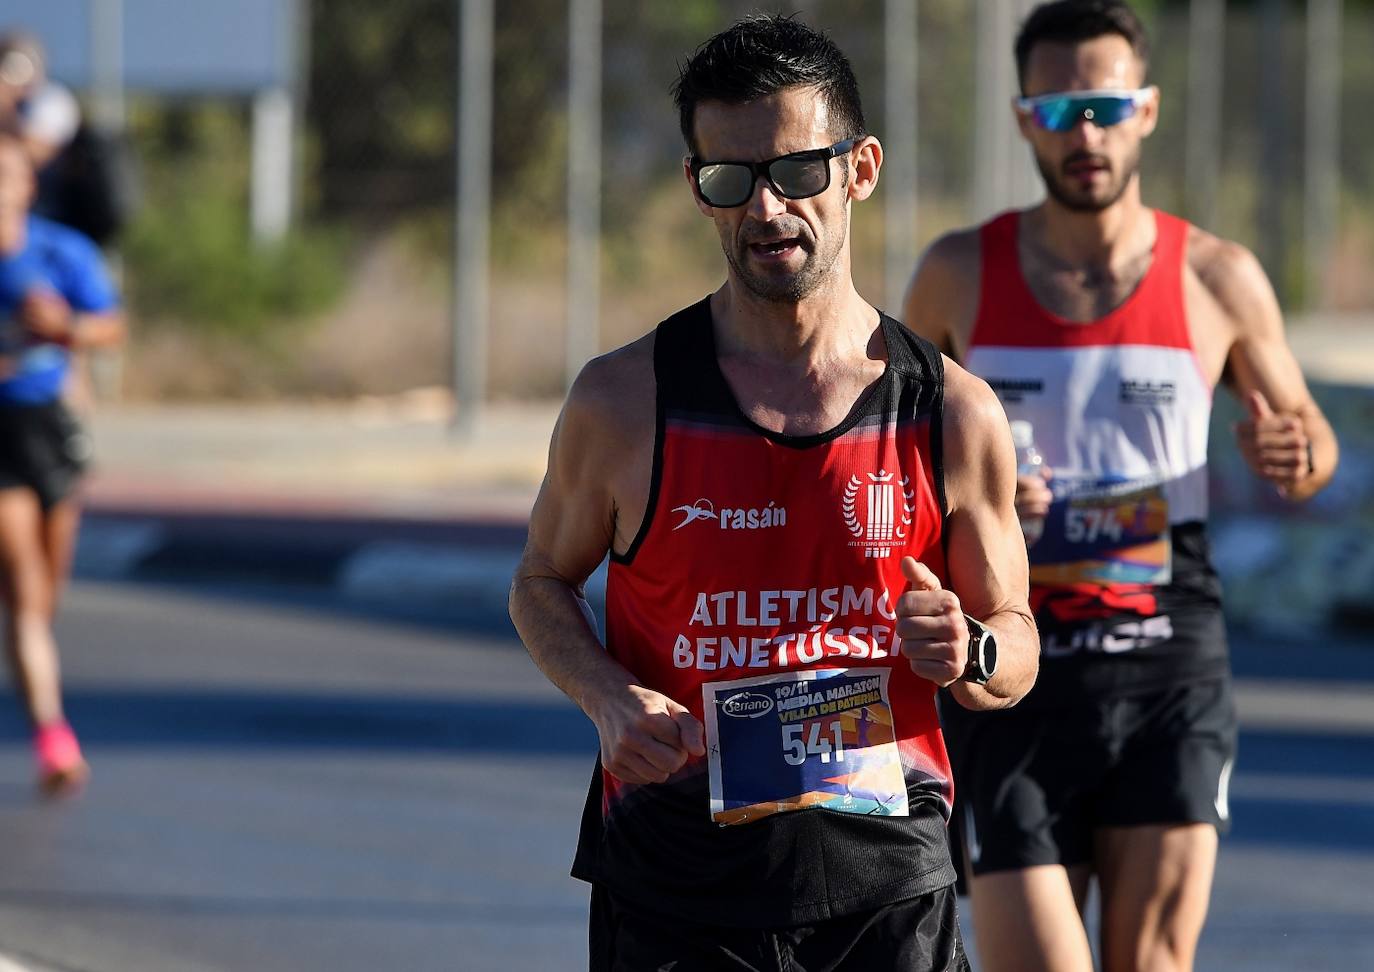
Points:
(437, 563)
(272, 546)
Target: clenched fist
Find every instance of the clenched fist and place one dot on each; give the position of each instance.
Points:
(931, 626)
(1274, 445)
(646, 737)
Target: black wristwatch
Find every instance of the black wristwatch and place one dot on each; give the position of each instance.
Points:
(982, 653)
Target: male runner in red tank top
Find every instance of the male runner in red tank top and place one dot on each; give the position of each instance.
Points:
(803, 505)
(1104, 326)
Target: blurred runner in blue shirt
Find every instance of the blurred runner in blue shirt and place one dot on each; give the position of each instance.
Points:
(55, 297)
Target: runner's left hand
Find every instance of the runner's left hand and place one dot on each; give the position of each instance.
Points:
(1274, 445)
(931, 626)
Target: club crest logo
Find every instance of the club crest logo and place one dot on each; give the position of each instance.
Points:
(878, 512)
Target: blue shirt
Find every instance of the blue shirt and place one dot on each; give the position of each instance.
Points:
(58, 259)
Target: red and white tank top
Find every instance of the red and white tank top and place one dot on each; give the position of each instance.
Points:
(1120, 410)
(760, 593)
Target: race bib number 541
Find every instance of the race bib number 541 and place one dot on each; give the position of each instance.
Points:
(803, 739)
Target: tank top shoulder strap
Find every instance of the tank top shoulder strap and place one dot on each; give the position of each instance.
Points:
(1162, 301)
(1003, 299)
(1171, 250)
(685, 369)
(914, 359)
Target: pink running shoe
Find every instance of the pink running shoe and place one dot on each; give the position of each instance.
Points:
(61, 768)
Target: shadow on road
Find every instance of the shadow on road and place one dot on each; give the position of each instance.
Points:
(446, 912)
(191, 717)
(459, 616)
(1320, 791)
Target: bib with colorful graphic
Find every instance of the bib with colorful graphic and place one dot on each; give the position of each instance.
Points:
(803, 739)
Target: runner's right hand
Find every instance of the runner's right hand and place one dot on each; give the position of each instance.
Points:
(46, 315)
(1033, 495)
(646, 736)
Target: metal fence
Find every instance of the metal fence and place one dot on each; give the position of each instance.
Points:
(520, 160)
(1251, 145)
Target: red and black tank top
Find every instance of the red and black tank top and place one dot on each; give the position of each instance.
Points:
(760, 593)
(1121, 580)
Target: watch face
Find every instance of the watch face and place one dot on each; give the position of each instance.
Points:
(982, 651)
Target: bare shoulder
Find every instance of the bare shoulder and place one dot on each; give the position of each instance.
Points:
(956, 253)
(600, 462)
(612, 399)
(971, 406)
(977, 438)
(942, 298)
(1232, 277)
(601, 458)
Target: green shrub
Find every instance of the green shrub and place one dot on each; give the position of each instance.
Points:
(190, 259)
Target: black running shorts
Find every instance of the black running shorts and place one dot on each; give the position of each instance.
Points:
(1033, 784)
(916, 935)
(42, 447)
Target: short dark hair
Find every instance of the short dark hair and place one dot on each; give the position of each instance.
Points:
(1075, 21)
(762, 55)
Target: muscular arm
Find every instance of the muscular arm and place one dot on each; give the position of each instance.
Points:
(987, 551)
(645, 736)
(1283, 417)
(942, 298)
(571, 530)
(988, 574)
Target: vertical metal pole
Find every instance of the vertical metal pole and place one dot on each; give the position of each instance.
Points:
(471, 301)
(990, 114)
(1023, 180)
(1323, 144)
(275, 111)
(109, 113)
(1202, 139)
(899, 161)
(297, 47)
(1269, 221)
(584, 185)
(1003, 173)
(107, 65)
(274, 130)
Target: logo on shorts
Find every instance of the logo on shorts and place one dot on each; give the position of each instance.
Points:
(886, 506)
(1223, 791)
(733, 518)
(1056, 642)
(746, 705)
(975, 846)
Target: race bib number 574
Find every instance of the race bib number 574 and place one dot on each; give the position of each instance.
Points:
(1104, 532)
(803, 739)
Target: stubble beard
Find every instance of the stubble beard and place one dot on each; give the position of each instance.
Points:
(786, 288)
(1079, 202)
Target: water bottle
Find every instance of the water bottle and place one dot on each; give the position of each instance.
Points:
(1028, 463)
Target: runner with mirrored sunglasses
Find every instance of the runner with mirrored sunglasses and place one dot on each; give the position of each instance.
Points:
(1060, 111)
(797, 175)
(808, 513)
(1106, 325)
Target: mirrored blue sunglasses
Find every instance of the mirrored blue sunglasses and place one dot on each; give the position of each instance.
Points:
(1060, 111)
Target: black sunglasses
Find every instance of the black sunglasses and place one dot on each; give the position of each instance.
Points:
(799, 175)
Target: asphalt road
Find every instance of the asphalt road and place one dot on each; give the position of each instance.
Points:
(283, 785)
